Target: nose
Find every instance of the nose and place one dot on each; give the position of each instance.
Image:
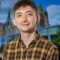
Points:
(25, 18)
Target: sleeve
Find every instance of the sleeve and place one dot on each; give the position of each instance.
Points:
(4, 54)
(55, 55)
(52, 54)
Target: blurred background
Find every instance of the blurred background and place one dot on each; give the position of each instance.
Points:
(49, 26)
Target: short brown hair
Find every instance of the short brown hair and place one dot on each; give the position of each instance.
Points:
(24, 3)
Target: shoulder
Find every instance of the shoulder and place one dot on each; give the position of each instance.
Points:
(44, 43)
(48, 44)
(49, 48)
(11, 44)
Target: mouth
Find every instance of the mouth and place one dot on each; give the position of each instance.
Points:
(24, 24)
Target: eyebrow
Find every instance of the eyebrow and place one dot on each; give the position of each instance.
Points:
(25, 12)
(28, 11)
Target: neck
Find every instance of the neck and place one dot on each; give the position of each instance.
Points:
(27, 37)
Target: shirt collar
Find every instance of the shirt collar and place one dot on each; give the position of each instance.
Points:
(37, 36)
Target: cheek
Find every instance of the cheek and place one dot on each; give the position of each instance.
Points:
(18, 20)
(33, 22)
(17, 23)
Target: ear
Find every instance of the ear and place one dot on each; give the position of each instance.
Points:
(38, 18)
(14, 22)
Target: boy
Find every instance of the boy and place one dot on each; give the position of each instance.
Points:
(29, 45)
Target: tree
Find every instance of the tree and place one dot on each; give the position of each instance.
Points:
(56, 40)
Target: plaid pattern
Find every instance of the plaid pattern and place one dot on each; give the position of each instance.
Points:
(39, 49)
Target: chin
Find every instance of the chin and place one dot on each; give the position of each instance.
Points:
(28, 30)
(25, 30)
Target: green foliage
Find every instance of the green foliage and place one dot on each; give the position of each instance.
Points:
(56, 40)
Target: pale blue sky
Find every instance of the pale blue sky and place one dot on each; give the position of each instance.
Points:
(46, 3)
(6, 4)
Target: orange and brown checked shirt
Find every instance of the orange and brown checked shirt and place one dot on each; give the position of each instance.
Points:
(39, 49)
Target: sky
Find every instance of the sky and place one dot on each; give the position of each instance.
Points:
(5, 4)
(53, 15)
(46, 3)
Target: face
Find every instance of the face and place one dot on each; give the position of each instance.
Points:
(26, 19)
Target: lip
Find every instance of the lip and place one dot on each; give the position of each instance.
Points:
(25, 24)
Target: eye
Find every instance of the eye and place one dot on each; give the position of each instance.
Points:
(19, 15)
(30, 14)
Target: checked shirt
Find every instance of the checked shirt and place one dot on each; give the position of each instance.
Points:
(39, 49)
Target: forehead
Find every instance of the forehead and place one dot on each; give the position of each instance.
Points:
(25, 9)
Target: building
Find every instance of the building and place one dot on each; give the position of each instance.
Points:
(43, 17)
(53, 14)
(8, 31)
